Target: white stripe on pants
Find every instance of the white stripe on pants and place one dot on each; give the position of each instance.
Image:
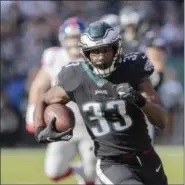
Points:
(101, 175)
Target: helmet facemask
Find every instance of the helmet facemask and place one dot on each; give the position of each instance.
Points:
(104, 69)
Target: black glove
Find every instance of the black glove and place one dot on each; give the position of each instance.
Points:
(125, 91)
(50, 134)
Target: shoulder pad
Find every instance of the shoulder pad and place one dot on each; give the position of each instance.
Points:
(48, 56)
(69, 76)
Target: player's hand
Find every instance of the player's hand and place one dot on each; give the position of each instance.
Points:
(125, 91)
(50, 134)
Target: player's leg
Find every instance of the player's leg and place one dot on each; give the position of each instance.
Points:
(116, 174)
(88, 159)
(151, 169)
(58, 158)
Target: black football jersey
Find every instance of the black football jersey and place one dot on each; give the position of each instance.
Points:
(115, 125)
(157, 77)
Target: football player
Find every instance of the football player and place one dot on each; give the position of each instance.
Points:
(59, 155)
(113, 92)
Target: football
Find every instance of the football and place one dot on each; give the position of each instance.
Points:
(64, 116)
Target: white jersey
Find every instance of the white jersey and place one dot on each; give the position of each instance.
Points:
(53, 60)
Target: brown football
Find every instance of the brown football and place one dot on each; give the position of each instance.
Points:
(64, 116)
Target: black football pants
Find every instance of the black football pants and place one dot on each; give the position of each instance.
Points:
(142, 169)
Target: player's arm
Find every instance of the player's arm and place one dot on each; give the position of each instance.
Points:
(61, 93)
(152, 108)
(38, 87)
(145, 96)
(55, 94)
(46, 134)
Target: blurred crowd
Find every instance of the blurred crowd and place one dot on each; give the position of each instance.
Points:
(29, 27)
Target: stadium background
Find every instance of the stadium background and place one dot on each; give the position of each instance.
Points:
(29, 27)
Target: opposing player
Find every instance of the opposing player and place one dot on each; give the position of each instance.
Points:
(113, 93)
(59, 155)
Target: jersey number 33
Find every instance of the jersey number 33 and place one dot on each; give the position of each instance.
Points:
(100, 124)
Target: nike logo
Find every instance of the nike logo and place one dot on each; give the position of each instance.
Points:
(157, 169)
(49, 139)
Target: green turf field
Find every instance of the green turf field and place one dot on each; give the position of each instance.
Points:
(25, 166)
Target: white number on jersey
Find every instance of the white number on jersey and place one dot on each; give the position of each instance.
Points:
(100, 125)
(131, 56)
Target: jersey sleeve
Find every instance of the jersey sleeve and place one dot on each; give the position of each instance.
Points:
(142, 67)
(68, 79)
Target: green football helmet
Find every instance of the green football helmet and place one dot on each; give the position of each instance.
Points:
(98, 35)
